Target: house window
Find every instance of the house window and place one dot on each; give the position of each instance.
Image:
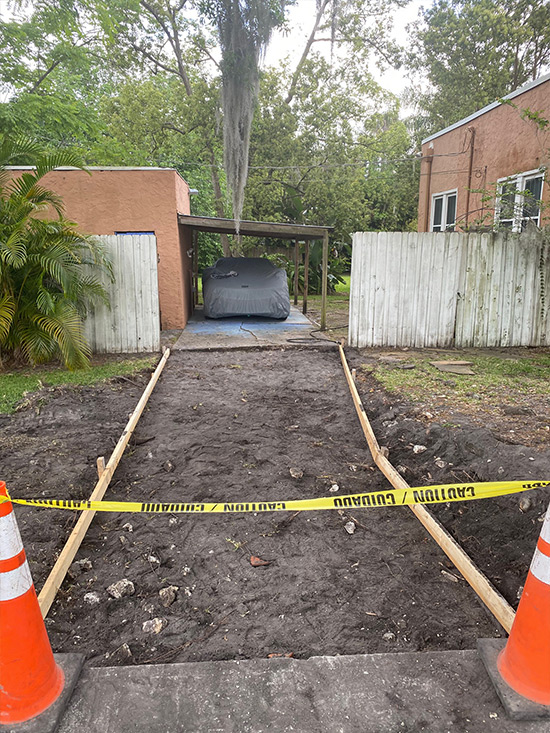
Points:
(519, 200)
(444, 211)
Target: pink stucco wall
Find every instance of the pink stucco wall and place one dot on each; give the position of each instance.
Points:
(504, 145)
(106, 201)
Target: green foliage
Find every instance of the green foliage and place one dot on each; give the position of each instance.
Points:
(338, 263)
(132, 83)
(475, 51)
(46, 265)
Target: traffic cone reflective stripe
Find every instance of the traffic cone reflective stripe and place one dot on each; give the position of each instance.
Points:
(30, 680)
(525, 661)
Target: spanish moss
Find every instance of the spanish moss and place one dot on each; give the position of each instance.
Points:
(245, 28)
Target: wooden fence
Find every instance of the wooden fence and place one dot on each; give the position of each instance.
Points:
(132, 323)
(449, 289)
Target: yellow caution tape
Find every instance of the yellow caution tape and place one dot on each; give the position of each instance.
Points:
(440, 494)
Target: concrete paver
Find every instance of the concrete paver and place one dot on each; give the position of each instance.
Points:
(440, 692)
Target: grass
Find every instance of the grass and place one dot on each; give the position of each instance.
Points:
(16, 385)
(345, 286)
(496, 379)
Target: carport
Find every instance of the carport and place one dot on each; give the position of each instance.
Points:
(300, 233)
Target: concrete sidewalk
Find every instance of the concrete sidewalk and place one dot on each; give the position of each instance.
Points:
(439, 692)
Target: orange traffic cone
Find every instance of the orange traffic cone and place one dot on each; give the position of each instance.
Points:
(525, 661)
(30, 680)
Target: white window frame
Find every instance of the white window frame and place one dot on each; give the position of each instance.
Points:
(445, 195)
(520, 180)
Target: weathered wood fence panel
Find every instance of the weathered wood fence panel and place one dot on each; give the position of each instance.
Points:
(132, 323)
(449, 289)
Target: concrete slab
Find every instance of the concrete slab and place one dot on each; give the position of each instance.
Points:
(245, 333)
(516, 706)
(439, 692)
(48, 721)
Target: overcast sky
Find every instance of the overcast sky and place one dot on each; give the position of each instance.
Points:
(301, 17)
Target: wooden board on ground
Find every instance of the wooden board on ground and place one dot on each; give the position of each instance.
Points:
(494, 601)
(57, 575)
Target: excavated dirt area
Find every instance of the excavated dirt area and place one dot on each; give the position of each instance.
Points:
(231, 426)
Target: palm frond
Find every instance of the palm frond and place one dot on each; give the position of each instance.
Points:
(7, 312)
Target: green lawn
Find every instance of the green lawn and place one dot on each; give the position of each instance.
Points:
(15, 385)
(496, 379)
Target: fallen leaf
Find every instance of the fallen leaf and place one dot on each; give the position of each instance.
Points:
(257, 562)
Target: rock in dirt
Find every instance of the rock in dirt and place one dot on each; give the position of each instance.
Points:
(440, 463)
(419, 449)
(349, 527)
(334, 488)
(121, 588)
(92, 598)
(80, 566)
(519, 593)
(120, 655)
(168, 466)
(388, 636)
(525, 503)
(153, 625)
(296, 473)
(168, 595)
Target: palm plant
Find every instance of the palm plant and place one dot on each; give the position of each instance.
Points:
(48, 270)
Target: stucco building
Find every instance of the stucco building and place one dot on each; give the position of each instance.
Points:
(490, 167)
(136, 200)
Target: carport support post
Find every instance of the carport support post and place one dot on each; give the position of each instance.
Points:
(296, 270)
(324, 283)
(195, 238)
(306, 275)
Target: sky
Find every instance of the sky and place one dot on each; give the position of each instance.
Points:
(301, 17)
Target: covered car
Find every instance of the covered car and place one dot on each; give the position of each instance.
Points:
(245, 286)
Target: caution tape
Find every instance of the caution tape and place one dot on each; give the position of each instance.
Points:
(440, 494)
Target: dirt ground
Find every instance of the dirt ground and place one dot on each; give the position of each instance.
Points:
(231, 425)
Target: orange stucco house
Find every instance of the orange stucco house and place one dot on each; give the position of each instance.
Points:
(136, 200)
(498, 150)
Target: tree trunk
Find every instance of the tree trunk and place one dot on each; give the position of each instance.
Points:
(218, 203)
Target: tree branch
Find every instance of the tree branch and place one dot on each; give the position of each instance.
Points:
(56, 63)
(170, 126)
(46, 73)
(173, 40)
(301, 62)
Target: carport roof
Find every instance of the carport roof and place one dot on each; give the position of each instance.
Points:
(254, 228)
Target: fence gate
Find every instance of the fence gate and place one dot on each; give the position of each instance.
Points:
(132, 323)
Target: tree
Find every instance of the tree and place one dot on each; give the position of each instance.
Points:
(476, 51)
(46, 265)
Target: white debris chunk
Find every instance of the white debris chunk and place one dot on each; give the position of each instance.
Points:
(121, 588)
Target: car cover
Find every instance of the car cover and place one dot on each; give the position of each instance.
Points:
(245, 286)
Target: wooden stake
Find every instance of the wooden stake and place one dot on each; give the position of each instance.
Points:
(306, 276)
(67, 555)
(498, 605)
(324, 283)
(100, 465)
